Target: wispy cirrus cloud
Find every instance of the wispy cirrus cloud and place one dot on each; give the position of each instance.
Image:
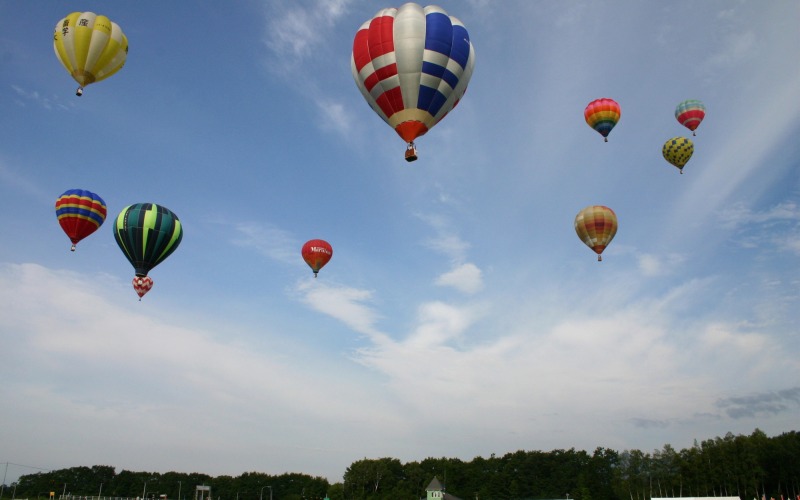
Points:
(654, 265)
(24, 97)
(269, 240)
(778, 225)
(301, 28)
(739, 214)
(299, 35)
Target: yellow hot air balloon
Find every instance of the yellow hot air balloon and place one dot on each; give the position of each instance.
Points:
(596, 226)
(678, 151)
(91, 47)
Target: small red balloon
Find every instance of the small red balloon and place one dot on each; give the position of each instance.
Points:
(317, 253)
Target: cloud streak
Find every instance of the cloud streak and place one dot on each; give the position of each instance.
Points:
(269, 240)
(761, 404)
(300, 28)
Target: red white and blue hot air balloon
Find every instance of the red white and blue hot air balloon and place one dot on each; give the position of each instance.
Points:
(412, 64)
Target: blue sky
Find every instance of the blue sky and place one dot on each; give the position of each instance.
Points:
(460, 315)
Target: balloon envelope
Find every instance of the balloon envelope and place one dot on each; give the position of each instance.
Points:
(602, 115)
(690, 113)
(678, 151)
(142, 285)
(596, 226)
(316, 253)
(412, 65)
(91, 47)
(80, 213)
(147, 234)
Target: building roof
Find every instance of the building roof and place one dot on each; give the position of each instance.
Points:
(435, 485)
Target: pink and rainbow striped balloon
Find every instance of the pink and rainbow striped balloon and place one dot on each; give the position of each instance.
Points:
(602, 115)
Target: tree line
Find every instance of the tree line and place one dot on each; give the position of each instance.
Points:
(754, 466)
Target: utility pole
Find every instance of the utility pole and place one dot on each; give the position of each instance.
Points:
(3, 484)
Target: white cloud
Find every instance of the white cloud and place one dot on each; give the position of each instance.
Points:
(778, 226)
(466, 278)
(446, 241)
(718, 336)
(107, 367)
(346, 304)
(30, 96)
(738, 214)
(336, 117)
(449, 244)
(302, 33)
(301, 28)
(439, 323)
(659, 265)
(548, 374)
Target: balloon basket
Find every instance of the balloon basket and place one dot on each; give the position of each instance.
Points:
(411, 153)
(79, 92)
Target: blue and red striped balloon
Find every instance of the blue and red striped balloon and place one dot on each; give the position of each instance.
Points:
(80, 213)
(412, 64)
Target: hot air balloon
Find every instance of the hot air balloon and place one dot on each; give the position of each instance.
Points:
(142, 285)
(316, 253)
(147, 234)
(596, 226)
(91, 47)
(412, 64)
(80, 213)
(678, 151)
(602, 115)
(690, 113)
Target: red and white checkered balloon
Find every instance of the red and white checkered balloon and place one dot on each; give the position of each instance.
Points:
(142, 285)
